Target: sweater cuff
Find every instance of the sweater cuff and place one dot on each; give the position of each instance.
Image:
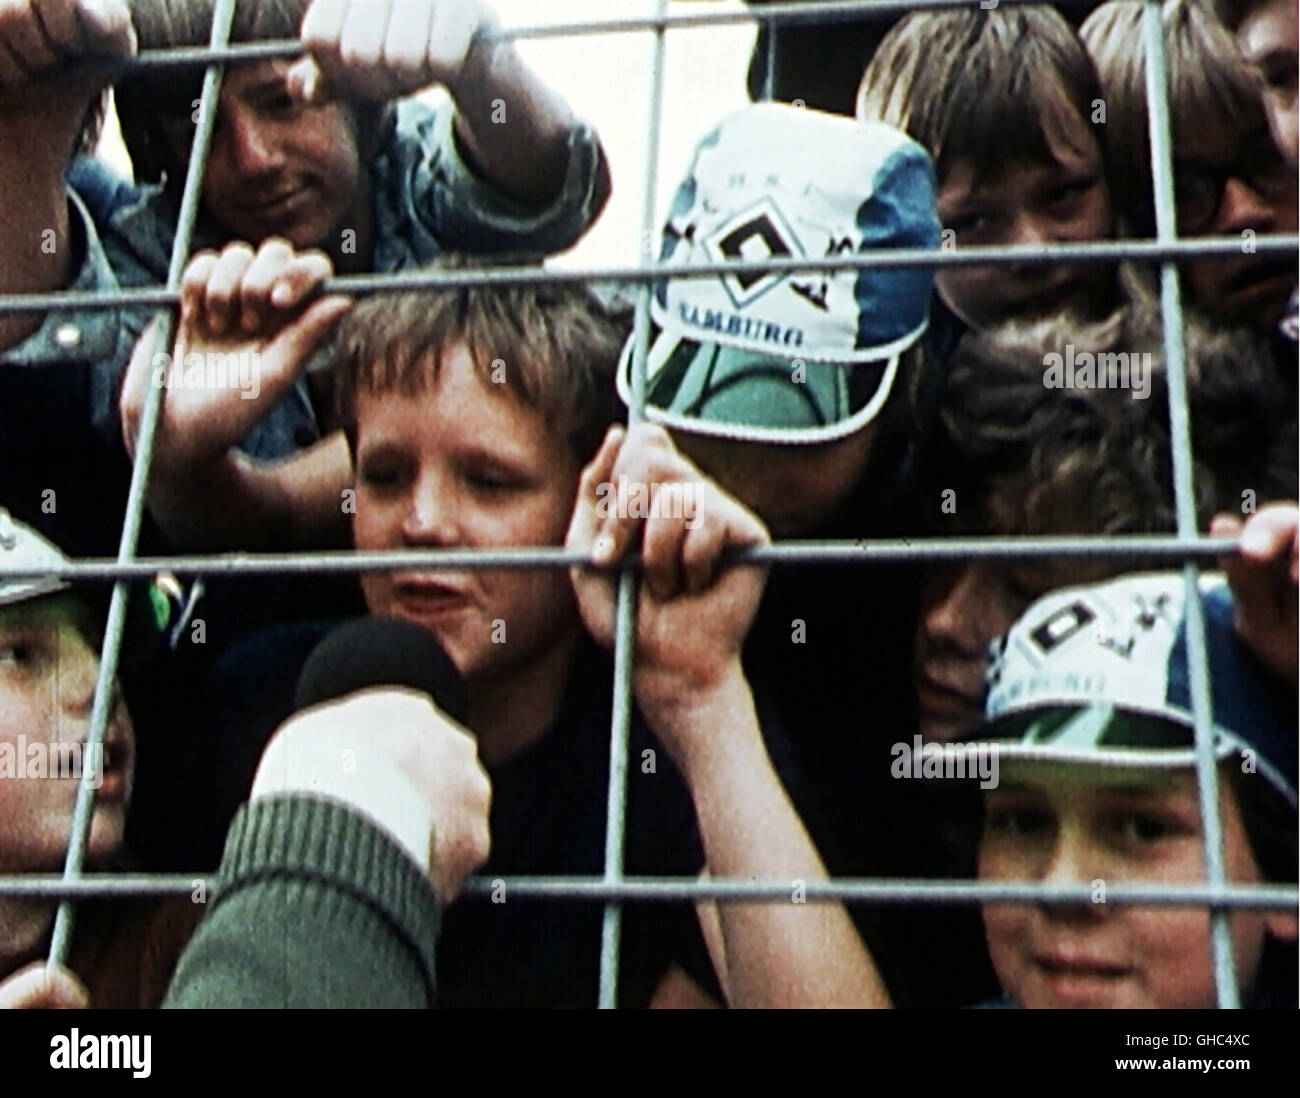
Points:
(304, 836)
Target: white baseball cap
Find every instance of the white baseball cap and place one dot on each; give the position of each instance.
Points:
(789, 357)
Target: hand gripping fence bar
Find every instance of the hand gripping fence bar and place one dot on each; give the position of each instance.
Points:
(613, 888)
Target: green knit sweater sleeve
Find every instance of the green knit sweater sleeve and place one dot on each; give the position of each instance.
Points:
(315, 907)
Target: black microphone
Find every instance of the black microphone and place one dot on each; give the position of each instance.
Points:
(376, 652)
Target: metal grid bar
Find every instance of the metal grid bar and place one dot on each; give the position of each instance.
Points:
(625, 608)
(1171, 315)
(613, 887)
(105, 685)
(929, 890)
(1109, 251)
(1148, 548)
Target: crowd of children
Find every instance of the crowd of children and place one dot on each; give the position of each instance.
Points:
(769, 704)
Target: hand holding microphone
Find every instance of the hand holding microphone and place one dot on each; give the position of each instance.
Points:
(377, 752)
(371, 736)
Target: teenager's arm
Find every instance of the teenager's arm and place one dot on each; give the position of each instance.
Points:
(239, 502)
(787, 953)
(513, 129)
(692, 616)
(40, 119)
(512, 126)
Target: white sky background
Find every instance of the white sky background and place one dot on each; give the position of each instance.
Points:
(606, 80)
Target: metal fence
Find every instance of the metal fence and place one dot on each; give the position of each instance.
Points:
(613, 887)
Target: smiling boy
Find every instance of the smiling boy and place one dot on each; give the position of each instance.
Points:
(319, 152)
(313, 151)
(1089, 707)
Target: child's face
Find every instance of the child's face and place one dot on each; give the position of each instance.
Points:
(1267, 37)
(1072, 827)
(277, 166)
(47, 684)
(1236, 183)
(1029, 203)
(465, 464)
(963, 610)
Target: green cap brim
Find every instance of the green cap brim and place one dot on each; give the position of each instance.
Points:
(709, 388)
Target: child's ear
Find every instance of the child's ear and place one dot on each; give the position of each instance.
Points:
(1282, 925)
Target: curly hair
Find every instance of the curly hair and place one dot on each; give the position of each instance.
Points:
(1025, 458)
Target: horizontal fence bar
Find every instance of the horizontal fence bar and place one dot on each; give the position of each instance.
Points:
(1097, 251)
(90, 886)
(928, 890)
(881, 890)
(1148, 548)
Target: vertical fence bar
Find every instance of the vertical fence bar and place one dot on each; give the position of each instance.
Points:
(611, 928)
(769, 72)
(1171, 315)
(105, 689)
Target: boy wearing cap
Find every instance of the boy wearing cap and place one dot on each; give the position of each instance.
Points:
(1089, 713)
(799, 363)
(786, 387)
(780, 384)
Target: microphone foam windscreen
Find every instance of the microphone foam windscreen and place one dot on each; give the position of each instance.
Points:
(373, 652)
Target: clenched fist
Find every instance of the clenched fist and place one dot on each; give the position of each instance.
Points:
(39, 35)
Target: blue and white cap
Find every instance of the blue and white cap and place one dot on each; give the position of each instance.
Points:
(789, 357)
(1099, 675)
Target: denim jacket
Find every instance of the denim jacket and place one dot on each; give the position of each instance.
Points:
(425, 201)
